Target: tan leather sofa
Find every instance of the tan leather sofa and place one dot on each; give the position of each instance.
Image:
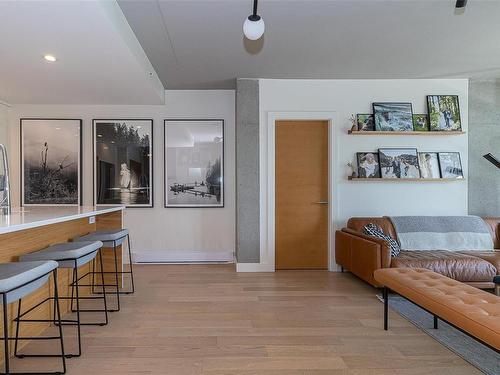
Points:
(362, 255)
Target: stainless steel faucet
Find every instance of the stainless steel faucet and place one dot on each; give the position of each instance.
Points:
(5, 203)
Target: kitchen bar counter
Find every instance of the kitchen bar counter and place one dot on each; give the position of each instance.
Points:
(29, 229)
(22, 218)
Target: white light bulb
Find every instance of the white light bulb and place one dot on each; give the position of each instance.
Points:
(50, 58)
(253, 30)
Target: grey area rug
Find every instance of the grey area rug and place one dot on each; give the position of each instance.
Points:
(478, 355)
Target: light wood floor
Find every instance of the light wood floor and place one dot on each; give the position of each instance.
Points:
(210, 320)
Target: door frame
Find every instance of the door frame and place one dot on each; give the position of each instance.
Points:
(267, 183)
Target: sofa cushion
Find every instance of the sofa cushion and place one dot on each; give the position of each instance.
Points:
(458, 266)
(375, 231)
(492, 257)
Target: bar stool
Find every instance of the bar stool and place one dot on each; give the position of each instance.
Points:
(111, 239)
(71, 255)
(18, 280)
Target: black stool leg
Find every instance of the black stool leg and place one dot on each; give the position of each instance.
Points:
(75, 271)
(386, 308)
(58, 307)
(103, 286)
(116, 278)
(5, 334)
(17, 326)
(131, 267)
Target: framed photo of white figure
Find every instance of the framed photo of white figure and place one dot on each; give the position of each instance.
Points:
(123, 162)
(429, 164)
(194, 163)
(51, 162)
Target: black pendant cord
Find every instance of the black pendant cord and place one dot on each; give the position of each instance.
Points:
(254, 16)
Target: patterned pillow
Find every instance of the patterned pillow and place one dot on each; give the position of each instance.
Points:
(375, 231)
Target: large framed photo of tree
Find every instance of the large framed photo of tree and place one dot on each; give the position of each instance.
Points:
(194, 163)
(123, 162)
(51, 162)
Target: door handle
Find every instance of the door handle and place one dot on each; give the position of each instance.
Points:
(321, 202)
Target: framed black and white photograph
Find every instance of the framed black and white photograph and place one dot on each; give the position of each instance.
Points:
(194, 163)
(399, 163)
(368, 165)
(444, 113)
(429, 164)
(51, 162)
(450, 165)
(123, 162)
(365, 122)
(393, 117)
(420, 123)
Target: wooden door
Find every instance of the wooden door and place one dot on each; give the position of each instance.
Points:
(301, 195)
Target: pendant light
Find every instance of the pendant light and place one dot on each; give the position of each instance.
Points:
(254, 27)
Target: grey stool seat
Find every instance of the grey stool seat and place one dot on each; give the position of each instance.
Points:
(66, 253)
(15, 275)
(107, 237)
(16, 281)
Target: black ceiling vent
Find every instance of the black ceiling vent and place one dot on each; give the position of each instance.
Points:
(461, 3)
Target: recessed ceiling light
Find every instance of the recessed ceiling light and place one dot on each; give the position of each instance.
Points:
(99, 135)
(50, 58)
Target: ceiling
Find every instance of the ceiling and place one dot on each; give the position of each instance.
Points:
(100, 60)
(198, 44)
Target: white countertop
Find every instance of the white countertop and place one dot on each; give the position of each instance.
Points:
(31, 217)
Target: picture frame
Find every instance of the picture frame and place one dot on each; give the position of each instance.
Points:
(194, 163)
(365, 122)
(123, 162)
(393, 116)
(399, 163)
(368, 164)
(451, 165)
(51, 162)
(421, 122)
(444, 113)
(429, 165)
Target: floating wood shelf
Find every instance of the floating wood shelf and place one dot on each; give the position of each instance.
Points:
(358, 132)
(350, 178)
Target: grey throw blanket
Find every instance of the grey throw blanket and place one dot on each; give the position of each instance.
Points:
(454, 233)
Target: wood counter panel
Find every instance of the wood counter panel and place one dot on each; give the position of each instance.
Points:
(14, 244)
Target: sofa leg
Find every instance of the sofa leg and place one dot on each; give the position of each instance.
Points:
(342, 269)
(435, 322)
(497, 289)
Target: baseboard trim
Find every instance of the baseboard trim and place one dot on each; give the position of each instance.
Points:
(254, 267)
(183, 257)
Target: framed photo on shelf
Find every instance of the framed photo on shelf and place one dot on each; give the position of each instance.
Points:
(123, 162)
(368, 165)
(450, 165)
(429, 164)
(420, 123)
(365, 122)
(393, 117)
(194, 163)
(444, 113)
(51, 162)
(399, 163)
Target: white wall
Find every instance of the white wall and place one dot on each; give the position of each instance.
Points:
(168, 234)
(345, 97)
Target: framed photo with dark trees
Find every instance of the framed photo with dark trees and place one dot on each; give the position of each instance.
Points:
(194, 163)
(444, 113)
(51, 162)
(123, 162)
